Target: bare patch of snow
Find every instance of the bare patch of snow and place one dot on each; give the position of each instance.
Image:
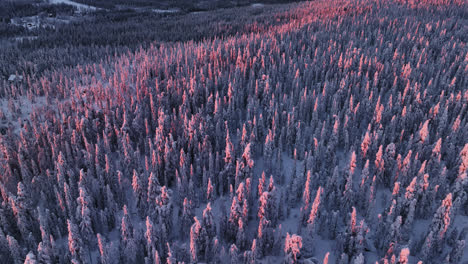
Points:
(165, 11)
(257, 5)
(198, 12)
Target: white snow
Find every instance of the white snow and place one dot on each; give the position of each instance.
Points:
(257, 5)
(20, 39)
(198, 12)
(165, 11)
(75, 4)
(12, 78)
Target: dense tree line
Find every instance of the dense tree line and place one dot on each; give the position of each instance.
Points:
(184, 5)
(24, 8)
(103, 35)
(346, 124)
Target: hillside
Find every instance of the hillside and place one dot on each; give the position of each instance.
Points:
(313, 132)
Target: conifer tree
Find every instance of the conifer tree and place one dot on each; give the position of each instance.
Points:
(209, 223)
(292, 249)
(30, 258)
(75, 243)
(186, 218)
(15, 250)
(84, 214)
(234, 254)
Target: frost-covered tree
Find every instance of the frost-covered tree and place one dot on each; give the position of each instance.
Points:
(195, 231)
(209, 223)
(15, 250)
(84, 215)
(30, 258)
(128, 244)
(76, 246)
(292, 248)
(186, 218)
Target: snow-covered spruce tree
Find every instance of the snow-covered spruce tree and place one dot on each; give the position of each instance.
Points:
(78, 250)
(196, 241)
(15, 250)
(84, 216)
(306, 196)
(353, 241)
(268, 218)
(186, 218)
(139, 191)
(313, 222)
(435, 239)
(234, 254)
(456, 253)
(109, 251)
(292, 249)
(128, 245)
(153, 192)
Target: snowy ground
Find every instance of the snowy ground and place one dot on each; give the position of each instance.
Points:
(23, 108)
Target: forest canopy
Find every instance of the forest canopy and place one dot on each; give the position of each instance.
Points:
(313, 132)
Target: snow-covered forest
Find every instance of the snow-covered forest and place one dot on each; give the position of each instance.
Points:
(327, 132)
